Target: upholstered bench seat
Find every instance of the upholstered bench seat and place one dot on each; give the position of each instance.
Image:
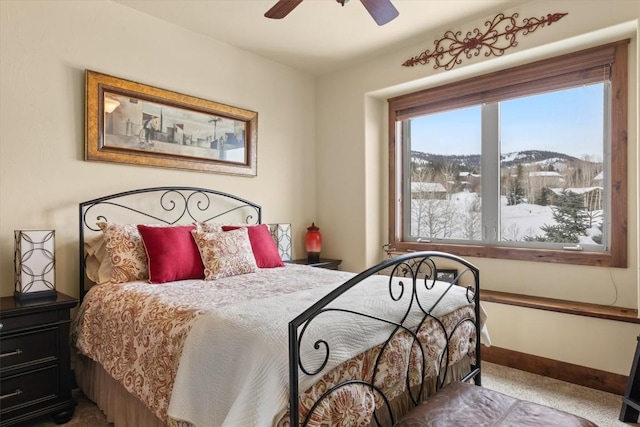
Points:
(462, 405)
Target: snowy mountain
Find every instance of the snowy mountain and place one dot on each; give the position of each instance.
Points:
(472, 161)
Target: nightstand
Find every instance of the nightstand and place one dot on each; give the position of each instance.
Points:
(630, 411)
(329, 264)
(35, 367)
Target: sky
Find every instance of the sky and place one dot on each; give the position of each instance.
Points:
(567, 121)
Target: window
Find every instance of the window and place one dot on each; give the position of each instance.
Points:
(529, 163)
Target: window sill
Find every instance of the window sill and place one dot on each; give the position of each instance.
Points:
(619, 314)
(555, 256)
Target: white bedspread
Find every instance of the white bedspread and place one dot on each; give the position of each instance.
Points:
(234, 373)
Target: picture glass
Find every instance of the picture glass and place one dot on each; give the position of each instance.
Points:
(136, 124)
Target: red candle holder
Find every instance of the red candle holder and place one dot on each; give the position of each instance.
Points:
(313, 242)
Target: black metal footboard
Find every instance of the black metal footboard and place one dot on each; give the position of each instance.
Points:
(418, 288)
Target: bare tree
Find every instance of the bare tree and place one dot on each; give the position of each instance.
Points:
(448, 176)
(511, 233)
(582, 172)
(432, 213)
(472, 221)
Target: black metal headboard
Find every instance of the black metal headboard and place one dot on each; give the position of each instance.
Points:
(162, 205)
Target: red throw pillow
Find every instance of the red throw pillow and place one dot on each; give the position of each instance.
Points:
(172, 252)
(264, 248)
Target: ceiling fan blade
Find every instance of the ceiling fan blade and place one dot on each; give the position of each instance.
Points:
(382, 11)
(282, 8)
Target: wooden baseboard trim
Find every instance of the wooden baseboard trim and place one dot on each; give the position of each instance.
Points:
(575, 374)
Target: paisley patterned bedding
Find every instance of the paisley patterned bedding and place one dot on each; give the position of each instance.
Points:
(137, 332)
(341, 409)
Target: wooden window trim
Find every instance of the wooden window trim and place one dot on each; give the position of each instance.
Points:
(585, 66)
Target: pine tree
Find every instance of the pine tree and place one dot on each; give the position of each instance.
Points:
(543, 197)
(571, 221)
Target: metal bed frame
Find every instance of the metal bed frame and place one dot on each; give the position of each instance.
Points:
(415, 270)
(181, 205)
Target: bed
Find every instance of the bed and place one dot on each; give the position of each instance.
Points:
(258, 342)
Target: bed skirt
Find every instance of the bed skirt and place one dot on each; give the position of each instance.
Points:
(120, 407)
(123, 409)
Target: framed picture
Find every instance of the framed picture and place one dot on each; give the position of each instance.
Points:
(446, 275)
(128, 122)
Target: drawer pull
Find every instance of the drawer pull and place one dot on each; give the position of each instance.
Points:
(13, 353)
(15, 393)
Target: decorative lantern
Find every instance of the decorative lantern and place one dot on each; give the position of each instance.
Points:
(34, 258)
(313, 242)
(281, 233)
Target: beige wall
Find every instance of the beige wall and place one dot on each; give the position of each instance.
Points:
(339, 120)
(352, 121)
(46, 47)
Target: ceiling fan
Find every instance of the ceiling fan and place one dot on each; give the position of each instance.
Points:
(382, 11)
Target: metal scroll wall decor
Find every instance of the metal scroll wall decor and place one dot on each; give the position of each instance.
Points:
(501, 34)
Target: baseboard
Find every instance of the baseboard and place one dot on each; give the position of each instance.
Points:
(575, 374)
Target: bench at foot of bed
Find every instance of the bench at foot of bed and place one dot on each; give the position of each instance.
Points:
(462, 404)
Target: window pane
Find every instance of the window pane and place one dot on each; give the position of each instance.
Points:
(551, 167)
(444, 177)
(574, 105)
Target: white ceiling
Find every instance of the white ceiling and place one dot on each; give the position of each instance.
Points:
(318, 36)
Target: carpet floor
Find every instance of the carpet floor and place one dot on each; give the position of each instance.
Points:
(600, 407)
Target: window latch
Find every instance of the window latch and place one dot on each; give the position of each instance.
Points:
(572, 248)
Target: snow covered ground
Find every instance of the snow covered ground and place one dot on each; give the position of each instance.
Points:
(517, 221)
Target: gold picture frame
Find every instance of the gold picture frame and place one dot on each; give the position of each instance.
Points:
(133, 123)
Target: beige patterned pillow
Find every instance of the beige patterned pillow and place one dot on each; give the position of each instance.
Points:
(208, 227)
(126, 251)
(225, 253)
(97, 261)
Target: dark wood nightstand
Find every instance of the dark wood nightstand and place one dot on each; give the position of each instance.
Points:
(630, 411)
(35, 367)
(329, 264)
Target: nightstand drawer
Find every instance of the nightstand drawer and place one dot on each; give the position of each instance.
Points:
(17, 390)
(10, 324)
(28, 348)
(35, 367)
